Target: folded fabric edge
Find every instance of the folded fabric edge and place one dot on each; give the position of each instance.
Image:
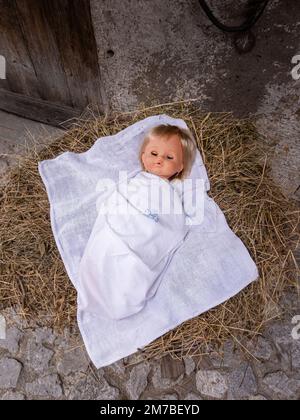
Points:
(53, 222)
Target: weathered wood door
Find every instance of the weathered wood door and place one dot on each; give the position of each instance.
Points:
(52, 70)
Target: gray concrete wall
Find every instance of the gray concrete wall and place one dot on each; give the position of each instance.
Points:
(157, 51)
(167, 50)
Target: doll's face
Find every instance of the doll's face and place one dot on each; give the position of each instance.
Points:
(163, 156)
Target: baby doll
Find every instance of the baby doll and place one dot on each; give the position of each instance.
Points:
(168, 151)
(129, 251)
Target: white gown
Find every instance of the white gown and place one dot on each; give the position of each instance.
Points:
(128, 252)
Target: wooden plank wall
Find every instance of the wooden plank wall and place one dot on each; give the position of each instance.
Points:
(51, 57)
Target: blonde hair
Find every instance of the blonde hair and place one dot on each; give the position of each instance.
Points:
(187, 141)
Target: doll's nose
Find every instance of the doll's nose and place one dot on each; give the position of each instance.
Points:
(159, 160)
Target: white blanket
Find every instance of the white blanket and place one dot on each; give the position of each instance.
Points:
(209, 267)
(131, 245)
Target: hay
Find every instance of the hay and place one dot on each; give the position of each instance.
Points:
(32, 274)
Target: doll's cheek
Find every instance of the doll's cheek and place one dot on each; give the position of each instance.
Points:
(144, 160)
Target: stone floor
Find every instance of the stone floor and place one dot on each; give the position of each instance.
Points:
(36, 363)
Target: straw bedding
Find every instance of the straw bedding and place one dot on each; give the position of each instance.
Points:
(32, 275)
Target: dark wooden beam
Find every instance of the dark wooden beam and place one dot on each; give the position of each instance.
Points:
(37, 109)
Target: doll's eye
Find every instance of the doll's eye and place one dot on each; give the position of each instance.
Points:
(153, 153)
(170, 157)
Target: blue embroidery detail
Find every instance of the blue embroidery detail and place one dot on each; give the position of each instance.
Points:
(153, 216)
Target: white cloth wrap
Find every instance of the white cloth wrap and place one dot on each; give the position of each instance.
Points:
(131, 246)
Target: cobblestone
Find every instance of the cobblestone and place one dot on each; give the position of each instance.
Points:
(45, 386)
(37, 356)
(242, 382)
(281, 386)
(211, 384)
(189, 365)
(75, 360)
(159, 382)
(11, 342)
(261, 349)
(138, 380)
(95, 387)
(9, 373)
